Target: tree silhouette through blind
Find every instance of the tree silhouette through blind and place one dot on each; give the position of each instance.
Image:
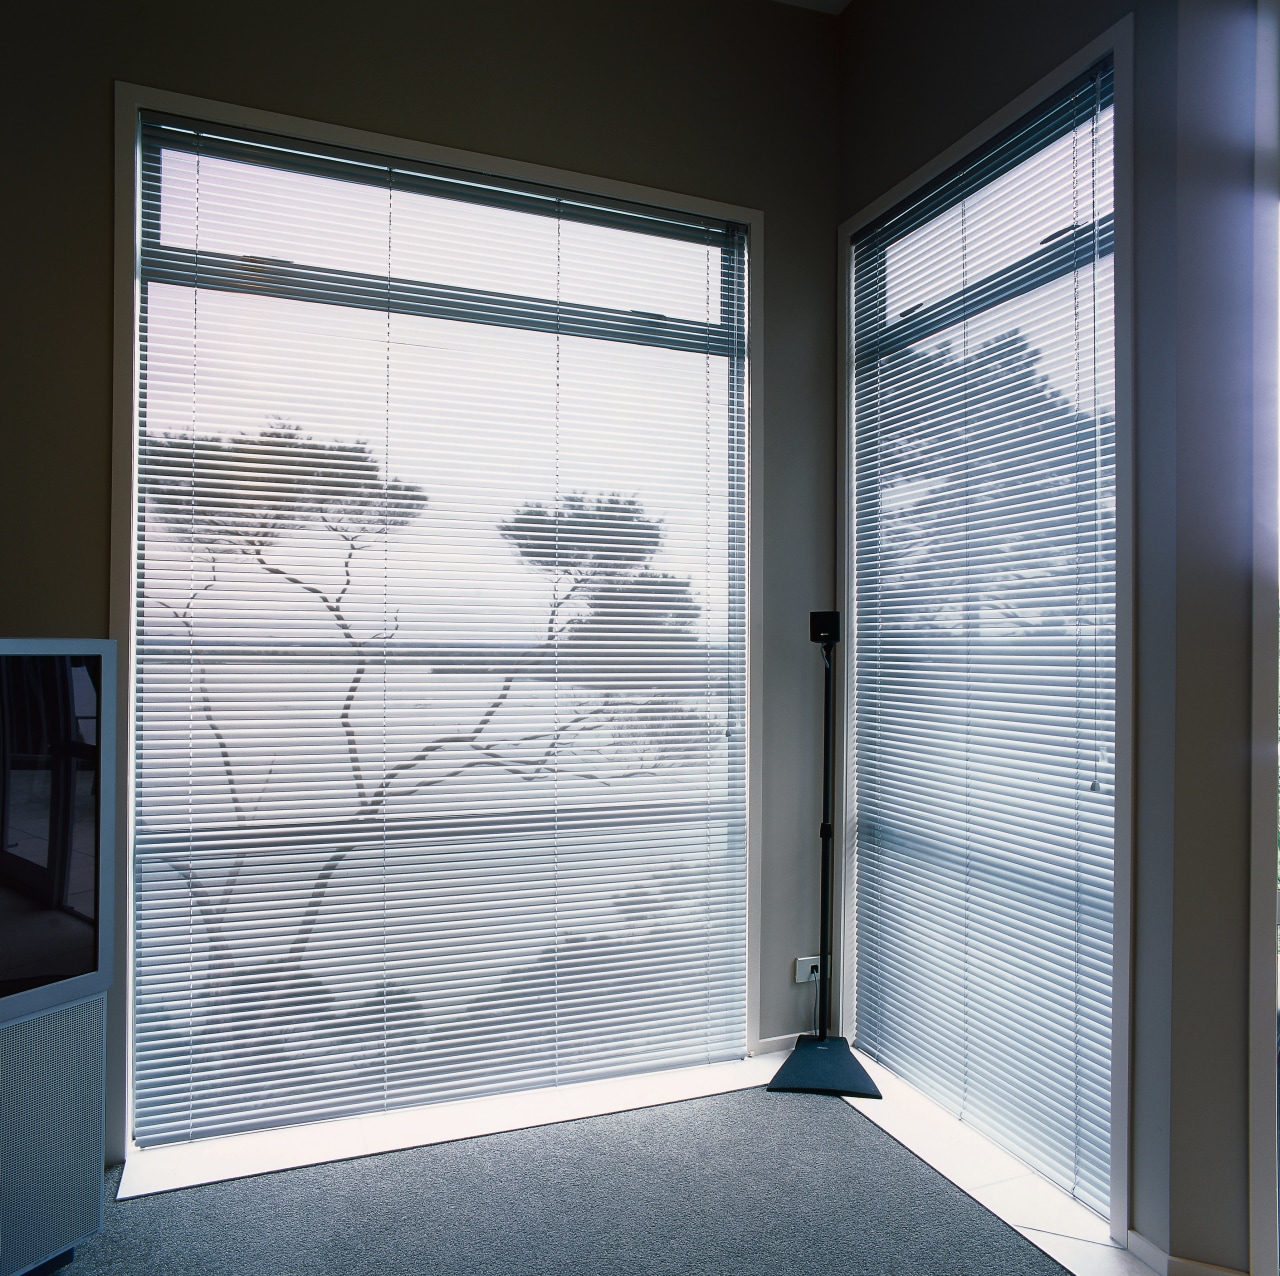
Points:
(236, 501)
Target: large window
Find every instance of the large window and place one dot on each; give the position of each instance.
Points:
(982, 798)
(439, 706)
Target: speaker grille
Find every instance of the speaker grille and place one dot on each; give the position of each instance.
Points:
(51, 1093)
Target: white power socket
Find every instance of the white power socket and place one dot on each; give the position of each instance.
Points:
(807, 968)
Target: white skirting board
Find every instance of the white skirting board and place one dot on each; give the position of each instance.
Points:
(1167, 1265)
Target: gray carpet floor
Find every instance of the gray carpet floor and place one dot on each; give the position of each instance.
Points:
(745, 1182)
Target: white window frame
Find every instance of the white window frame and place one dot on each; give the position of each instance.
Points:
(131, 101)
(1118, 42)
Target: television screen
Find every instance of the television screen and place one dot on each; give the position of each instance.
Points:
(50, 830)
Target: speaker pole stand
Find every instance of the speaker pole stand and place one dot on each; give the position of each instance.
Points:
(821, 1063)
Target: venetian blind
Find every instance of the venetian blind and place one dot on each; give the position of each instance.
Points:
(439, 635)
(982, 797)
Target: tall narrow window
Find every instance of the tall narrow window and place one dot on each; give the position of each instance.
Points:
(439, 690)
(982, 792)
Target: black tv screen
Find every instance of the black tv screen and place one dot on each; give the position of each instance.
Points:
(50, 818)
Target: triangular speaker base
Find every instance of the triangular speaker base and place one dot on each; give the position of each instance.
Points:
(824, 1065)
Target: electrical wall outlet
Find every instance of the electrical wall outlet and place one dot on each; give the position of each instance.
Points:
(807, 968)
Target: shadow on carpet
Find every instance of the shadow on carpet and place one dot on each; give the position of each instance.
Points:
(749, 1181)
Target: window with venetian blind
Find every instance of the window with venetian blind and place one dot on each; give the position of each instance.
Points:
(983, 698)
(439, 698)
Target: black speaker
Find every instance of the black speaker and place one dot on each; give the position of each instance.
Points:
(824, 626)
(821, 1063)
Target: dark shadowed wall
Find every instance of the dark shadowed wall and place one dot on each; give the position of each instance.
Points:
(917, 76)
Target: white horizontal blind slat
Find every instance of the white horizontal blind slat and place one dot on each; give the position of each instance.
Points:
(982, 777)
(439, 634)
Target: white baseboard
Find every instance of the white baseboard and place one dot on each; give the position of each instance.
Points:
(1167, 1265)
(773, 1045)
(1149, 1253)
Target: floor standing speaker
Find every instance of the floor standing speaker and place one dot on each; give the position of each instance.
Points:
(51, 1131)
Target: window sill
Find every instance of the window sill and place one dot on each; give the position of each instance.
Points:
(1048, 1217)
(164, 1169)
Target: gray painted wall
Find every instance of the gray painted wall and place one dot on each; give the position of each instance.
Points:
(1200, 856)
